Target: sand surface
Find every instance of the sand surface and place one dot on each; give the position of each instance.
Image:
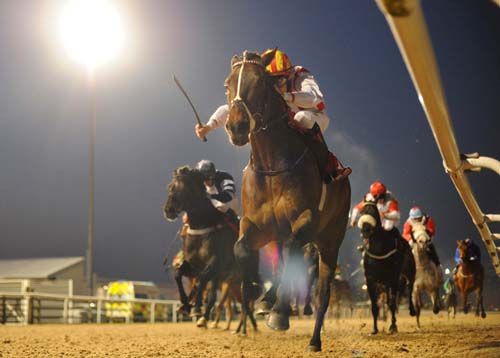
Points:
(465, 336)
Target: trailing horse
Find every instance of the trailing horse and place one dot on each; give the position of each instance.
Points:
(469, 278)
(283, 194)
(208, 243)
(385, 257)
(429, 276)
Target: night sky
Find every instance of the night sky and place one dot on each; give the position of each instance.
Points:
(145, 127)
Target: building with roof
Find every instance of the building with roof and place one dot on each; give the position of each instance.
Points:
(61, 275)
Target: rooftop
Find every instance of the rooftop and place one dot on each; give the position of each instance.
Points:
(36, 267)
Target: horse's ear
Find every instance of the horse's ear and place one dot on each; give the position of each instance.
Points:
(235, 59)
(267, 57)
(458, 242)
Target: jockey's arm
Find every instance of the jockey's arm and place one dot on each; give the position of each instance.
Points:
(407, 231)
(392, 215)
(430, 227)
(308, 95)
(223, 200)
(218, 119)
(355, 212)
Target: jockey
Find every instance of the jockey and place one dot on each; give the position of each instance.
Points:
(387, 205)
(303, 96)
(416, 215)
(220, 189)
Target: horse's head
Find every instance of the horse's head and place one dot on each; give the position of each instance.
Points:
(369, 221)
(185, 189)
(420, 234)
(462, 249)
(248, 90)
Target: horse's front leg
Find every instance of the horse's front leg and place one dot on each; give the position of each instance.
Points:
(185, 308)
(463, 295)
(392, 296)
(248, 263)
(479, 303)
(435, 301)
(293, 266)
(372, 292)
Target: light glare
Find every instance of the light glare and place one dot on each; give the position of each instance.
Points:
(92, 31)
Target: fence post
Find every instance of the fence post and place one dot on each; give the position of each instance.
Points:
(99, 307)
(152, 313)
(174, 312)
(65, 310)
(4, 310)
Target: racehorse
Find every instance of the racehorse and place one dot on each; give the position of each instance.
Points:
(450, 300)
(283, 194)
(385, 258)
(341, 297)
(208, 243)
(429, 276)
(468, 278)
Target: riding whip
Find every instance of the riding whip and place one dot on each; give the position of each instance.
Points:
(190, 103)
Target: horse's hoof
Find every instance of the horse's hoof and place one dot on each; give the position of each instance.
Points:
(278, 321)
(263, 308)
(435, 310)
(413, 313)
(313, 348)
(374, 332)
(393, 329)
(483, 314)
(308, 311)
(213, 325)
(201, 323)
(184, 309)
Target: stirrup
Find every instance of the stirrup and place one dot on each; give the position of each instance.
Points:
(342, 173)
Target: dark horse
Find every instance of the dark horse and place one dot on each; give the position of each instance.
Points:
(386, 257)
(283, 195)
(469, 278)
(208, 244)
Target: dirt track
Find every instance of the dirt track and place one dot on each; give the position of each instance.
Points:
(464, 336)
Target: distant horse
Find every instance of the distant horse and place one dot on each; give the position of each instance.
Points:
(341, 297)
(429, 276)
(450, 297)
(283, 194)
(311, 257)
(385, 256)
(469, 278)
(208, 243)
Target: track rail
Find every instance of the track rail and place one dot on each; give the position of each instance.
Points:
(407, 23)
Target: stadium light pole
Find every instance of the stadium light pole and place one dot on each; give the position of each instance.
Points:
(92, 32)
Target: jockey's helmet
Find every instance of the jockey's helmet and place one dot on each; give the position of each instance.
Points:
(280, 65)
(377, 189)
(415, 213)
(207, 168)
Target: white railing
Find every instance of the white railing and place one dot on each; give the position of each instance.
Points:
(27, 308)
(407, 23)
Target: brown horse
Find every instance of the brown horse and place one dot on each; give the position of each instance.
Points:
(469, 278)
(283, 194)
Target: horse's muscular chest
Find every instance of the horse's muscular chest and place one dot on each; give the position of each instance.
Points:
(273, 201)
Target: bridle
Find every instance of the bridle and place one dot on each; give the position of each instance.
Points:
(367, 250)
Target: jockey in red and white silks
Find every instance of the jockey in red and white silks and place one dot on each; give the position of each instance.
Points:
(303, 96)
(387, 205)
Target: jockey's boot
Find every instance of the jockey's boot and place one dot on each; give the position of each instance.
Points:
(431, 250)
(330, 167)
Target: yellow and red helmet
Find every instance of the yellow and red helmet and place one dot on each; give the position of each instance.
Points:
(280, 65)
